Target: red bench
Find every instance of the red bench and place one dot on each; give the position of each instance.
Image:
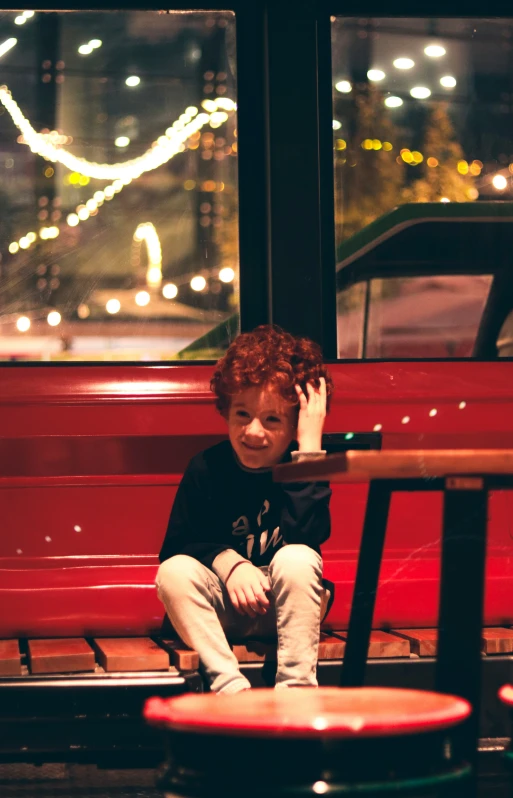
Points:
(90, 459)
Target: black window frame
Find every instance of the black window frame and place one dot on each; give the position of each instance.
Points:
(286, 187)
(252, 127)
(500, 299)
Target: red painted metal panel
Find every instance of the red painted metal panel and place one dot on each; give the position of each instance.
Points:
(101, 449)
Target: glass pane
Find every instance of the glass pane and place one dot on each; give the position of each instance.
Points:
(118, 185)
(505, 338)
(425, 317)
(350, 318)
(421, 114)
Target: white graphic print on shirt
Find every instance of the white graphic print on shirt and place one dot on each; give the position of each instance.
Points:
(242, 526)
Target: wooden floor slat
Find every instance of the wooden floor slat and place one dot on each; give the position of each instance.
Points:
(130, 654)
(182, 657)
(423, 642)
(10, 658)
(63, 655)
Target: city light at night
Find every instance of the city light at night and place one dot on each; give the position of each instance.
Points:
(434, 51)
(420, 92)
(7, 45)
(404, 63)
(170, 291)
(499, 182)
(198, 283)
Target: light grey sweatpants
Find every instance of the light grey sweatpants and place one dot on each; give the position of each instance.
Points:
(200, 610)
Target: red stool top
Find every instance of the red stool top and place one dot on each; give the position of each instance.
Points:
(506, 695)
(310, 712)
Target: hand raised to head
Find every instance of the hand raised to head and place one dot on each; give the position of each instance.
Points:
(312, 413)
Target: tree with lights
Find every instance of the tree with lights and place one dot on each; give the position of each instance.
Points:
(444, 172)
(368, 180)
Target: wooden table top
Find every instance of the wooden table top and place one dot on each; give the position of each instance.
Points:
(362, 466)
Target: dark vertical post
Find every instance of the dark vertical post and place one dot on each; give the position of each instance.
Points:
(366, 583)
(327, 263)
(252, 123)
(458, 666)
(297, 283)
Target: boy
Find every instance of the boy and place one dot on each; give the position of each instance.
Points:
(241, 554)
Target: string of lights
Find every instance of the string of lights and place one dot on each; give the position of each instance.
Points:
(48, 145)
(146, 231)
(84, 211)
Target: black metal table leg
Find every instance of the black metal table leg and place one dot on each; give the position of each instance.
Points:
(462, 581)
(366, 583)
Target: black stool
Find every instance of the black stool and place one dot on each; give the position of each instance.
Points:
(506, 696)
(307, 741)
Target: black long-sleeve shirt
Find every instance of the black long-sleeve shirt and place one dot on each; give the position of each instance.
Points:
(221, 505)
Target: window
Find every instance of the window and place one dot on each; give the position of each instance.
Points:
(118, 184)
(422, 131)
(417, 317)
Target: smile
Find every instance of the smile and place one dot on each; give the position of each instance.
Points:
(254, 448)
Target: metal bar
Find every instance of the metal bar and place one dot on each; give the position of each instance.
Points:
(462, 580)
(366, 583)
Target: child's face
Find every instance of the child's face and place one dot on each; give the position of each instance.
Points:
(261, 425)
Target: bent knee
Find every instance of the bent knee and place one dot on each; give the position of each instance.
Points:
(177, 573)
(296, 557)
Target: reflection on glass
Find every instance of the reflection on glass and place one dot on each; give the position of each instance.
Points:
(350, 321)
(425, 317)
(413, 317)
(118, 185)
(435, 91)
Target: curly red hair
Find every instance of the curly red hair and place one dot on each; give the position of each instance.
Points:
(269, 357)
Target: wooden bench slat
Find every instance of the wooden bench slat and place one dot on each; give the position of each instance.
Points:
(10, 658)
(139, 654)
(385, 645)
(60, 655)
(182, 657)
(130, 654)
(255, 651)
(423, 642)
(382, 645)
(331, 646)
(497, 641)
